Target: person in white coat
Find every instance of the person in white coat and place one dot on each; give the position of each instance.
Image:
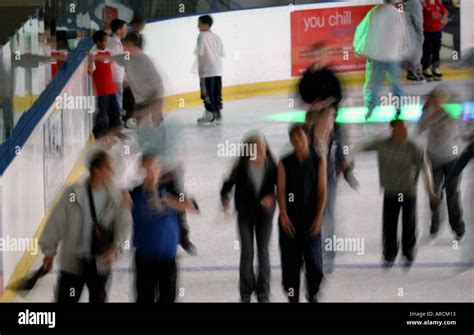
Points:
(119, 32)
(383, 38)
(210, 51)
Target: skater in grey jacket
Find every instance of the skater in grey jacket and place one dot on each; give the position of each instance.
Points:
(72, 224)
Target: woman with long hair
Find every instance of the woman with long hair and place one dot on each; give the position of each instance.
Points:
(254, 177)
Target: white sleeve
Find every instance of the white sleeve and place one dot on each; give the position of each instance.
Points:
(119, 59)
(199, 46)
(114, 47)
(221, 48)
(93, 53)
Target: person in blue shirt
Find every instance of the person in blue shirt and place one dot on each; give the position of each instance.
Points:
(156, 235)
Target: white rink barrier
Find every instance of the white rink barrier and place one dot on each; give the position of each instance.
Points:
(37, 160)
(257, 44)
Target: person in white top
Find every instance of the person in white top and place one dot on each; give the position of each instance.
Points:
(119, 31)
(382, 37)
(210, 51)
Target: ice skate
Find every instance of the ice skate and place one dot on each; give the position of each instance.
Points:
(437, 75)
(207, 118)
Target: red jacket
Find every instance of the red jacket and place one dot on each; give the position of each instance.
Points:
(432, 15)
(102, 76)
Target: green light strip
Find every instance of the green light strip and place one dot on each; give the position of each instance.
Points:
(357, 114)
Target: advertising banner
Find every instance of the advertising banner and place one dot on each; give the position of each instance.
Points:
(334, 26)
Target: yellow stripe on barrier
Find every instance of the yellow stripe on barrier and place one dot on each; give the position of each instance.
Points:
(283, 86)
(252, 90)
(24, 103)
(28, 258)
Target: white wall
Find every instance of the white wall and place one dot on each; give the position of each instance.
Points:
(256, 41)
(23, 191)
(467, 24)
(257, 44)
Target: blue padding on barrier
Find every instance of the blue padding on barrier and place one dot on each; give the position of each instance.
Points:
(239, 9)
(30, 119)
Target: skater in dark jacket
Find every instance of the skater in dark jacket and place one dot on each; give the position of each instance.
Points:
(321, 90)
(255, 180)
(325, 140)
(302, 194)
(320, 82)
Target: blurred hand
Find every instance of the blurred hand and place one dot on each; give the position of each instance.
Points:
(225, 204)
(434, 198)
(351, 179)
(127, 199)
(445, 20)
(341, 168)
(90, 68)
(191, 206)
(109, 255)
(321, 104)
(267, 202)
(287, 225)
(314, 229)
(48, 263)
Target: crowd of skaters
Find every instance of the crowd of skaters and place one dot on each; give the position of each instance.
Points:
(141, 198)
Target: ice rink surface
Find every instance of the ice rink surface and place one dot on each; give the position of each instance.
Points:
(442, 271)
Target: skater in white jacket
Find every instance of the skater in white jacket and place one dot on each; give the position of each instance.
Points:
(383, 38)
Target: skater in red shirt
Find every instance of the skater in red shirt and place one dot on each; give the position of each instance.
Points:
(109, 115)
(435, 17)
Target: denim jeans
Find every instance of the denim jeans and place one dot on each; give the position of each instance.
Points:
(453, 199)
(294, 252)
(259, 226)
(108, 115)
(374, 79)
(328, 228)
(431, 49)
(211, 93)
(392, 205)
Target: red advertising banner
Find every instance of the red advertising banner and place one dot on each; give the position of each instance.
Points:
(336, 27)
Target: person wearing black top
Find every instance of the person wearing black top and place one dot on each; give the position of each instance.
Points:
(302, 194)
(320, 82)
(321, 90)
(255, 180)
(327, 144)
